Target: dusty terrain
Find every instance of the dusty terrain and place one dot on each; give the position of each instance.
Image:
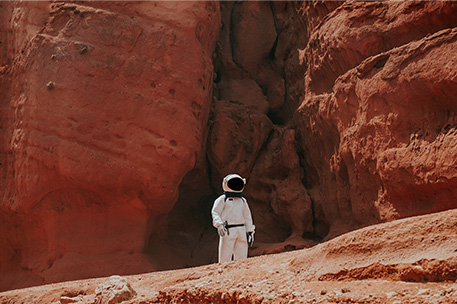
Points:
(369, 265)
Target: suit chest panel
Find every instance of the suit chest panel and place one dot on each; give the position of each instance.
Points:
(234, 203)
(233, 211)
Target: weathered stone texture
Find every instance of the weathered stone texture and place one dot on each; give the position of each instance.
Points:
(106, 111)
(377, 123)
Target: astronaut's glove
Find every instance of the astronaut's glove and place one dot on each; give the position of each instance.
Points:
(250, 237)
(221, 230)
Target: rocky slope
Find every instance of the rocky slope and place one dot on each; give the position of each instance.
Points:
(370, 265)
(119, 119)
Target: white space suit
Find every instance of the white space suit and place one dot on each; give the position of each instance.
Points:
(233, 220)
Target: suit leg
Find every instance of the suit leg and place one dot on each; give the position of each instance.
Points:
(226, 246)
(241, 245)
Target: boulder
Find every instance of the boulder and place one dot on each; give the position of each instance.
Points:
(115, 290)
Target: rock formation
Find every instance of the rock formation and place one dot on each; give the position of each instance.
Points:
(119, 119)
(106, 111)
(377, 124)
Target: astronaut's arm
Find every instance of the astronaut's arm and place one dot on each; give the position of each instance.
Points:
(248, 218)
(217, 211)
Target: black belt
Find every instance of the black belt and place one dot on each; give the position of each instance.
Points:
(233, 225)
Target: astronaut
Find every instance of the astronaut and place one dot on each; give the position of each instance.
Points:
(233, 220)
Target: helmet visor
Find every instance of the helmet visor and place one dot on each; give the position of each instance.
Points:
(236, 184)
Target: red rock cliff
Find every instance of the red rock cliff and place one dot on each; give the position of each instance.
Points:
(106, 110)
(377, 124)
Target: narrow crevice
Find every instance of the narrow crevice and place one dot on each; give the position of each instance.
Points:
(271, 55)
(313, 212)
(275, 118)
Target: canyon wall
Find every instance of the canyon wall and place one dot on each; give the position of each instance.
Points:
(120, 119)
(105, 112)
(377, 125)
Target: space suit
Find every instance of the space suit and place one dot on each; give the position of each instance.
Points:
(233, 220)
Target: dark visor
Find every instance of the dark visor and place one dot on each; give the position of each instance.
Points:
(236, 184)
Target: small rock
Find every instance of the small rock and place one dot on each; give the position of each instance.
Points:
(115, 290)
(392, 294)
(201, 284)
(67, 300)
(51, 85)
(446, 292)
(423, 292)
(83, 49)
(323, 291)
(345, 290)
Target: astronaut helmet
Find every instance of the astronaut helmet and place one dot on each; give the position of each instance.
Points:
(233, 183)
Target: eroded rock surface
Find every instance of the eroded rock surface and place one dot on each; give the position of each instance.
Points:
(377, 123)
(106, 113)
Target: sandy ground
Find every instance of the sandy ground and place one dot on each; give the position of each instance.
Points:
(412, 260)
